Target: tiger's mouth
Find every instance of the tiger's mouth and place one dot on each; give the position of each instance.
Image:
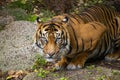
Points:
(50, 60)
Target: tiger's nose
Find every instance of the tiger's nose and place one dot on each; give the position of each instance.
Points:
(50, 55)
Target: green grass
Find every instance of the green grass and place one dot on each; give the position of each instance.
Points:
(39, 62)
(45, 15)
(23, 10)
(99, 70)
(103, 77)
(63, 78)
(114, 72)
(42, 73)
(90, 67)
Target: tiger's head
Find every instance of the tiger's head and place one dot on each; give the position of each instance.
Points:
(52, 38)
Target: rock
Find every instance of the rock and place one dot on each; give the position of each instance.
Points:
(5, 20)
(16, 51)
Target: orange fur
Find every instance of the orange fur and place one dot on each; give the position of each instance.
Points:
(70, 40)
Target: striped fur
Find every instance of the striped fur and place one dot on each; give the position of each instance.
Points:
(72, 39)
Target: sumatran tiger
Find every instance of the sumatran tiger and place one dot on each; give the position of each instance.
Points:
(69, 40)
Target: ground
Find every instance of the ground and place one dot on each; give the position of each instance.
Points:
(17, 56)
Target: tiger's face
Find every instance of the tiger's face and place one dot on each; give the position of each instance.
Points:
(52, 39)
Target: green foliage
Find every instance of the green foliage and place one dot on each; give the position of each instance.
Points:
(63, 78)
(42, 73)
(23, 4)
(55, 75)
(30, 5)
(46, 15)
(81, 5)
(99, 70)
(9, 78)
(31, 17)
(91, 2)
(114, 72)
(39, 62)
(18, 13)
(103, 77)
(90, 67)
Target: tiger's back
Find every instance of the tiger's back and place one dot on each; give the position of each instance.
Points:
(104, 15)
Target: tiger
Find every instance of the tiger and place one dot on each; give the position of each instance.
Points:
(70, 40)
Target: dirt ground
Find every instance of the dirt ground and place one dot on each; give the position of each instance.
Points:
(17, 53)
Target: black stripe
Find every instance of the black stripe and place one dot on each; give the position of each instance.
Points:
(93, 26)
(74, 17)
(56, 25)
(69, 50)
(90, 43)
(45, 25)
(75, 39)
(116, 23)
(82, 45)
(38, 45)
(108, 42)
(40, 33)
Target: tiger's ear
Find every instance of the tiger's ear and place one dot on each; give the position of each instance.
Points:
(38, 20)
(65, 19)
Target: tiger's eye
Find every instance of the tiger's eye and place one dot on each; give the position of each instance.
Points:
(55, 30)
(46, 29)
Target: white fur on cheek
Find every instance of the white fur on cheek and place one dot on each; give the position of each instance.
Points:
(41, 52)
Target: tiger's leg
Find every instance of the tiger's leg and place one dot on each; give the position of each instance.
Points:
(113, 56)
(78, 62)
(61, 64)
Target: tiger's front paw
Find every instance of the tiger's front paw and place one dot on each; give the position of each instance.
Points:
(73, 66)
(60, 66)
